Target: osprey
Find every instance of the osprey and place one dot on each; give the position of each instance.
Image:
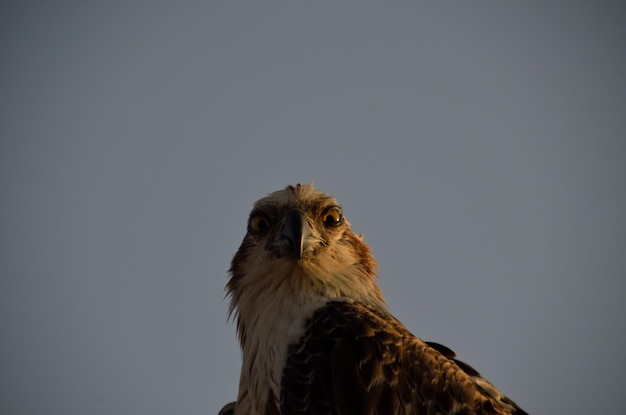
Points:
(315, 332)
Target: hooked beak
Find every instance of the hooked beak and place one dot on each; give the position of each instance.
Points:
(296, 238)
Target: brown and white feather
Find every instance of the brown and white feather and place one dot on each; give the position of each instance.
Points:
(316, 334)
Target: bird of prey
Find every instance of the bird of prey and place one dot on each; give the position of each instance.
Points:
(316, 335)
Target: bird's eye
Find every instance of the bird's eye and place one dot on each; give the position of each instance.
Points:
(258, 224)
(333, 217)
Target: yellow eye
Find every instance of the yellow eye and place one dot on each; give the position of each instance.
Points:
(258, 224)
(333, 217)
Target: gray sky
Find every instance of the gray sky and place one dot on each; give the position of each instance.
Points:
(479, 146)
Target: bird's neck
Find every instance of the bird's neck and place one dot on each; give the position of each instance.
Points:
(268, 324)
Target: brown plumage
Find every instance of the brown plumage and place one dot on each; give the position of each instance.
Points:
(316, 334)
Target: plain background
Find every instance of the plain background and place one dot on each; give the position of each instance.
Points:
(479, 146)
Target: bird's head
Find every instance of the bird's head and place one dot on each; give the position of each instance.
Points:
(299, 244)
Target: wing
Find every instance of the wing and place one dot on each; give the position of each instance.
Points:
(228, 409)
(355, 359)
